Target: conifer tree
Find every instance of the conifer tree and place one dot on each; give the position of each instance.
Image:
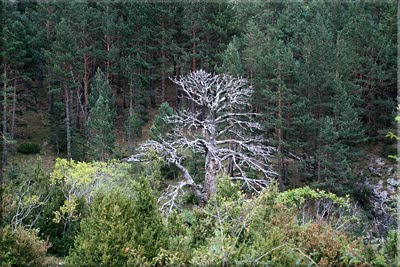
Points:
(132, 127)
(12, 54)
(165, 43)
(61, 58)
(231, 61)
(273, 66)
(101, 120)
(161, 127)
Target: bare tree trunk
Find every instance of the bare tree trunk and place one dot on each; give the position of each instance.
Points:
(67, 121)
(13, 115)
(210, 162)
(5, 117)
(210, 182)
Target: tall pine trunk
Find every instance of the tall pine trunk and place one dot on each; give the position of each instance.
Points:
(13, 114)
(108, 63)
(130, 96)
(280, 135)
(5, 154)
(163, 66)
(78, 108)
(67, 121)
(85, 87)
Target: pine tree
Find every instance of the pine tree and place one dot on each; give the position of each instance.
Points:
(161, 127)
(165, 43)
(370, 31)
(231, 61)
(109, 33)
(82, 22)
(272, 65)
(61, 58)
(14, 55)
(334, 167)
(137, 53)
(101, 120)
(132, 127)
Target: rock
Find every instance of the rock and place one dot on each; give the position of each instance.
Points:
(389, 170)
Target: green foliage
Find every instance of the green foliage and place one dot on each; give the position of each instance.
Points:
(391, 248)
(133, 127)
(299, 196)
(80, 180)
(161, 127)
(102, 119)
(21, 247)
(27, 191)
(28, 148)
(264, 231)
(60, 235)
(231, 62)
(395, 136)
(324, 79)
(177, 250)
(120, 230)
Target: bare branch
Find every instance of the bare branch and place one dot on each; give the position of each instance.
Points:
(222, 131)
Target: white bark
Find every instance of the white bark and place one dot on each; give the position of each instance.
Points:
(225, 119)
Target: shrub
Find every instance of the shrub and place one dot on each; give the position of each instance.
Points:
(21, 247)
(26, 193)
(265, 230)
(392, 248)
(315, 205)
(61, 235)
(28, 148)
(120, 230)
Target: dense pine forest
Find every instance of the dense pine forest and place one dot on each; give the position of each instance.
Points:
(212, 133)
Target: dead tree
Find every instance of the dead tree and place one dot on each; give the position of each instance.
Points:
(224, 130)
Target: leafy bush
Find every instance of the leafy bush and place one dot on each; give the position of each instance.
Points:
(264, 230)
(61, 235)
(120, 229)
(391, 248)
(316, 205)
(28, 148)
(21, 247)
(26, 193)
